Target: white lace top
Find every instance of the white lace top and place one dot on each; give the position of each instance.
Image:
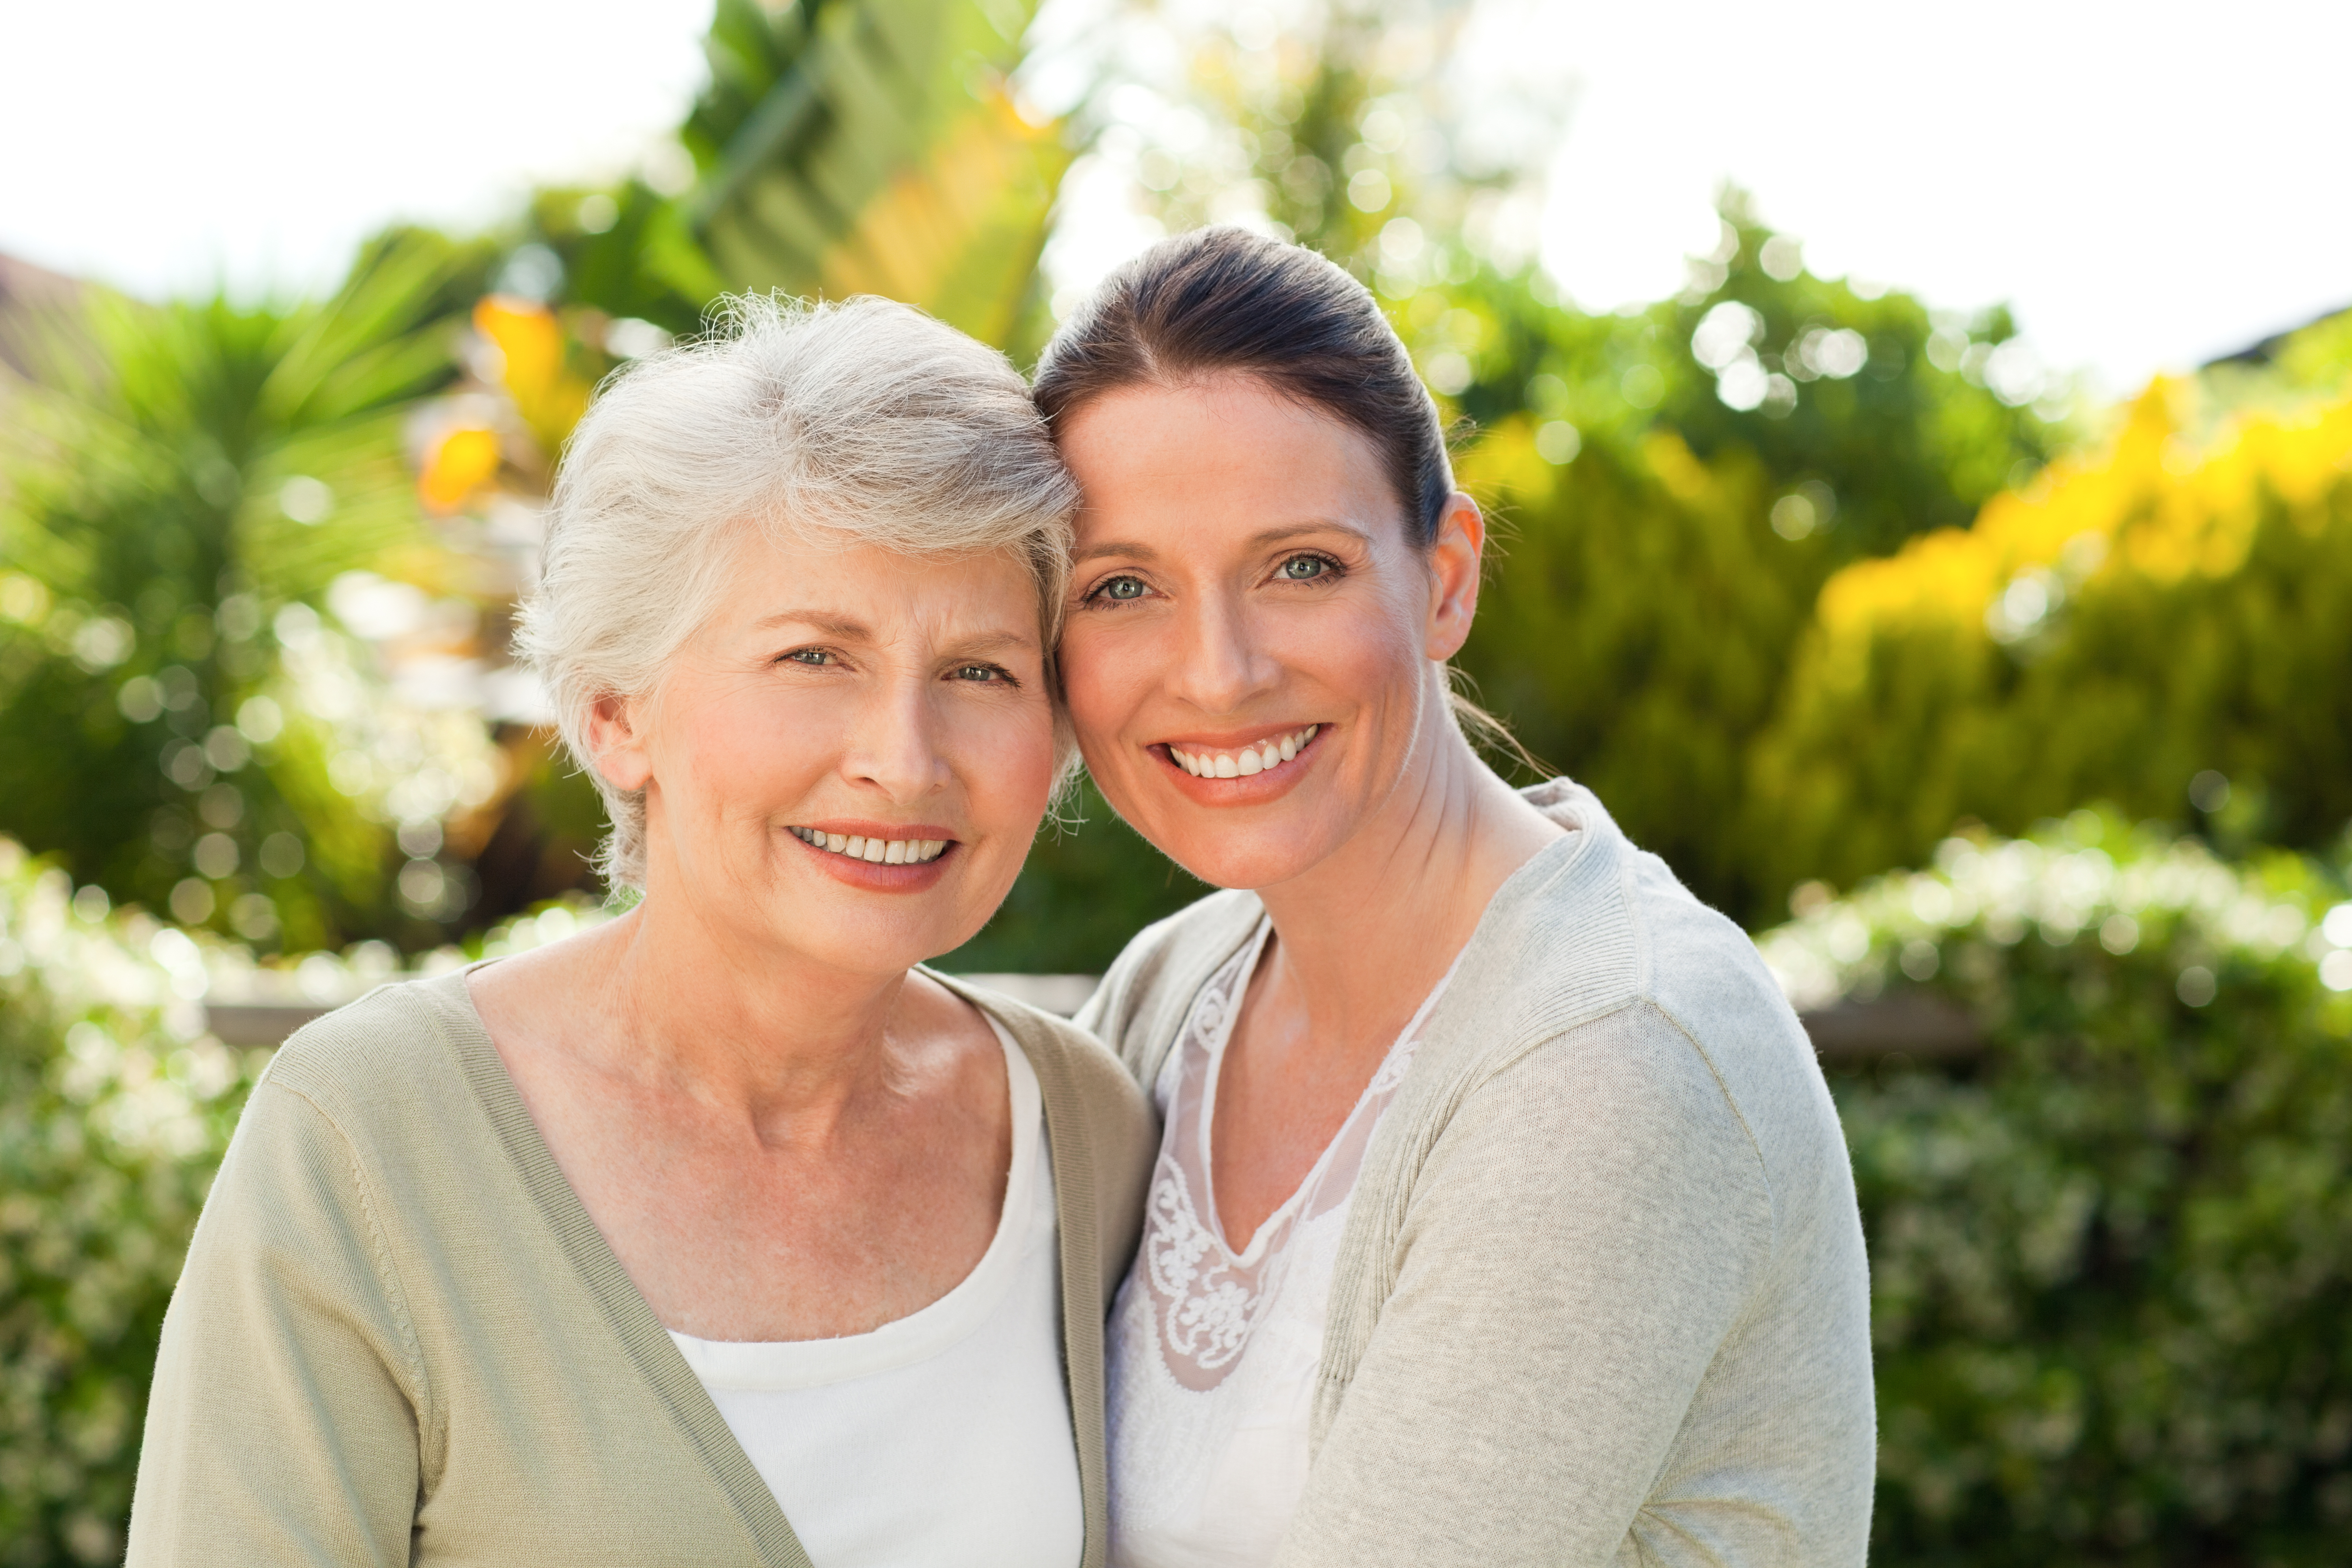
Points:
(1214, 1354)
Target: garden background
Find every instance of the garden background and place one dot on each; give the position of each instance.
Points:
(2016, 725)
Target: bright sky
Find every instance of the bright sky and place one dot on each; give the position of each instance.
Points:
(2149, 183)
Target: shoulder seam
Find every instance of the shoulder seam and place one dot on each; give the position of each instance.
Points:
(387, 1272)
(1754, 1144)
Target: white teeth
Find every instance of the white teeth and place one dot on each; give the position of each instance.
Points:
(1259, 757)
(874, 850)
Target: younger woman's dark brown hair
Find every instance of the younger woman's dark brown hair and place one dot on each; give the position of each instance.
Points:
(1225, 299)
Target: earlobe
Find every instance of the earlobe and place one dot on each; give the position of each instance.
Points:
(615, 743)
(1454, 559)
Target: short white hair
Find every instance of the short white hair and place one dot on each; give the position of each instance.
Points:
(864, 422)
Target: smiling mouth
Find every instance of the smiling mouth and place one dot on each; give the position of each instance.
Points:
(1259, 757)
(874, 851)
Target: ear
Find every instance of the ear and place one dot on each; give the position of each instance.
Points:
(1453, 563)
(617, 744)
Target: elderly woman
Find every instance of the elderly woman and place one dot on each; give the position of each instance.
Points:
(720, 1233)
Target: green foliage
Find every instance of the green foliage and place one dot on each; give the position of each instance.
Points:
(1634, 630)
(176, 478)
(839, 147)
(1084, 890)
(2111, 1262)
(114, 1108)
(1873, 411)
(2132, 622)
(1659, 550)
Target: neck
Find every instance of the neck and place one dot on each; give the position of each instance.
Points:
(1365, 933)
(706, 1009)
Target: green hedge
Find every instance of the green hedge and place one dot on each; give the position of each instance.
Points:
(2111, 1261)
(114, 1108)
(2111, 1258)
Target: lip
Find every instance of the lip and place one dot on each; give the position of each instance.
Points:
(1232, 740)
(1249, 789)
(879, 876)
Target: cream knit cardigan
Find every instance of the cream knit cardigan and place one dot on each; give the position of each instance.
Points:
(400, 1339)
(1602, 1298)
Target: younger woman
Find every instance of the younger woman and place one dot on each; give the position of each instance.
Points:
(1502, 1216)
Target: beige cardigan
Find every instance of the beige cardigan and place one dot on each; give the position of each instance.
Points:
(399, 1338)
(1601, 1296)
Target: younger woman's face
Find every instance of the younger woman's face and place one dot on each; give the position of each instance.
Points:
(1254, 649)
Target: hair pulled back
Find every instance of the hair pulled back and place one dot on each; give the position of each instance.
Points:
(1225, 299)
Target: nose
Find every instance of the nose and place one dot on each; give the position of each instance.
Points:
(893, 744)
(1219, 666)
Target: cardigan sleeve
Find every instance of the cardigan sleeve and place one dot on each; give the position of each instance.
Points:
(282, 1427)
(1580, 1241)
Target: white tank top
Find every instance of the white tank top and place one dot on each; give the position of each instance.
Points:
(1214, 1354)
(941, 1440)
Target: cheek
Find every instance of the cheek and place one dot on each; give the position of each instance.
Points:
(1365, 650)
(746, 750)
(1105, 668)
(1006, 759)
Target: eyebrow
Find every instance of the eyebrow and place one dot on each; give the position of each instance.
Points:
(989, 642)
(832, 625)
(1258, 541)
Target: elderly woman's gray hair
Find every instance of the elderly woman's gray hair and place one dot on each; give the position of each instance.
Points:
(863, 423)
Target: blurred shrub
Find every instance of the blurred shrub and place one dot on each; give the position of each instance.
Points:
(1671, 490)
(2111, 1262)
(2133, 624)
(186, 488)
(114, 1107)
(1084, 890)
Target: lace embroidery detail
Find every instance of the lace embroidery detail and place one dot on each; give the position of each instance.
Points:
(1209, 1307)
(1205, 1299)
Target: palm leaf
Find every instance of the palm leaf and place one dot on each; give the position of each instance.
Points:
(869, 146)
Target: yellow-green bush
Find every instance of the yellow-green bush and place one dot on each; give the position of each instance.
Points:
(1637, 626)
(2126, 624)
(2111, 1261)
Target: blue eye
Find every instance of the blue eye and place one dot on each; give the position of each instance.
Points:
(979, 672)
(810, 656)
(1122, 588)
(1305, 568)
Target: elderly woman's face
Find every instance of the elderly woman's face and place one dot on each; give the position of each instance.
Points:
(852, 756)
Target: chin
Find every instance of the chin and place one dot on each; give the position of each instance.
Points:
(1262, 857)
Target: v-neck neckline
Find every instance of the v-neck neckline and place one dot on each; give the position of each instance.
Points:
(640, 1331)
(1249, 958)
